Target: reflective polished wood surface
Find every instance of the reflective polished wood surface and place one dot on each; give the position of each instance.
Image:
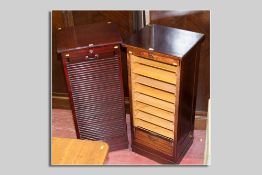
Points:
(166, 40)
(88, 35)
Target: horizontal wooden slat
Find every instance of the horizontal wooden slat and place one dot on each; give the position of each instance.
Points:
(102, 128)
(96, 105)
(94, 136)
(154, 111)
(154, 83)
(86, 98)
(155, 73)
(88, 63)
(89, 85)
(154, 102)
(154, 120)
(85, 69)
(96, 117)
(154, 128)
(97, 136)
(96, 109)
(155, 64)
(95, 76)
(154, 92)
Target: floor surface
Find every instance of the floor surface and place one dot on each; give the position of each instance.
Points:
(63, 126)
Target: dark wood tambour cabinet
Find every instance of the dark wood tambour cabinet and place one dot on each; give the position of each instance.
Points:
(92, 67)
(163, 69)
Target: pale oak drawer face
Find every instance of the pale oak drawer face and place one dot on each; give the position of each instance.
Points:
(154, 73)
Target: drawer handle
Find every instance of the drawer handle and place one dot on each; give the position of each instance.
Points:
(92, 58)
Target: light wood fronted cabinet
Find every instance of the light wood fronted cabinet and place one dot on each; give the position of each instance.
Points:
(162, 72)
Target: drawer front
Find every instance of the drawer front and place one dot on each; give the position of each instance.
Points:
(154, 83)
(151, 140)
(153, 127)
(156, 64)
(91, 53)
(169, 116)
(160, 94)
(155, 73)
(155, 120)
(155, 102)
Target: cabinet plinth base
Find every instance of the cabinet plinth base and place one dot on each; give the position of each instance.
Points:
(149, 153)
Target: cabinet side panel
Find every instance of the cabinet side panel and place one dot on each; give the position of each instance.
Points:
(187, 101)
(70, 95)
(130, 93)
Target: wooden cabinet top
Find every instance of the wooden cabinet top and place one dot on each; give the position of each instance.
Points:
(84, 36)
(165, 40)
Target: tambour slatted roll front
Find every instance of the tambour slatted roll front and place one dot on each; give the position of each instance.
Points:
(156, 97)
(92, 66)
(162, 71)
